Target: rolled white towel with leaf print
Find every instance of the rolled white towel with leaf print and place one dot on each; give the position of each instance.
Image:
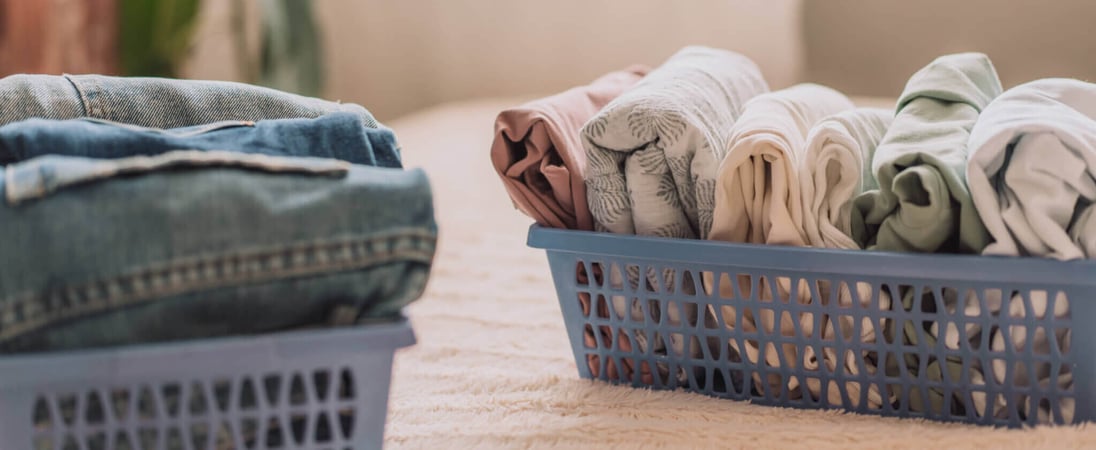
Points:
(652, 153)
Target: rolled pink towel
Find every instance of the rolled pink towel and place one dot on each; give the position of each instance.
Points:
(538, 152)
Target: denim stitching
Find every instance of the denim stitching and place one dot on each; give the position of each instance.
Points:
(85, 101)
(38, 309)
(34, 179)
(197, 129)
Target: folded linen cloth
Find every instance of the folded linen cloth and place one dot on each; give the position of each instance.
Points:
(653, 151)
(922, 203)
(851, 364)
(1032, 160)
(836, 168)
(1031, 166)
(538, 153)
(758, 199)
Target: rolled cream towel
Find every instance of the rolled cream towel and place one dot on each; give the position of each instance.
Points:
(758, 200)
(922, 204)
(837, 168)
(843, 328)
(653, 151)
(539, 156)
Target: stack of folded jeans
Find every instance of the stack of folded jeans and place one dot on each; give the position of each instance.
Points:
(141, 210)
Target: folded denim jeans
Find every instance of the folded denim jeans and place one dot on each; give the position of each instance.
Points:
(191, 244)
(337, 135)
(156, 102)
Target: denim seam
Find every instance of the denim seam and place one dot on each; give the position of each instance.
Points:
(84, 101)
(212, 272)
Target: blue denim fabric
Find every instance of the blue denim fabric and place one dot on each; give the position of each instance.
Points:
(337, 135)
(156, 102)
(189, 244)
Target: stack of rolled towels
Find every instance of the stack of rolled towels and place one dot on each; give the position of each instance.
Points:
(701, 148)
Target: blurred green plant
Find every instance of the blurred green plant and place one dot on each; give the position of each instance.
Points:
(291, 56)
(156, 37)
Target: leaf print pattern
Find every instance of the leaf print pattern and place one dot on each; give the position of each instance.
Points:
(601, 161)
(675, 230)
(651, 160)
(595, 128)
(679, 166)
(610, 213)
(680, 170)
(688, 198)
(705, 218)
(667, 192)
(705, 199)
(644, 147)
(609, 202)
(609, 184)
(651, 124)
(606, 193)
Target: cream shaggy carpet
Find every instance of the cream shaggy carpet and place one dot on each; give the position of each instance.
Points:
(493, 367)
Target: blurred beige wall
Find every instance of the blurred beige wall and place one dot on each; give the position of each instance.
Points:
(398, 56)
(872, 47)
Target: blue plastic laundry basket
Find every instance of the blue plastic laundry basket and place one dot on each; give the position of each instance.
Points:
(944, 337)
(315, 389)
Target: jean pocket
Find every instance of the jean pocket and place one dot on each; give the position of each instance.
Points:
(41, 176)
(177, 132)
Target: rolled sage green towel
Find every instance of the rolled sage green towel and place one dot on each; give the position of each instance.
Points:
(948, 370)
(923, 204)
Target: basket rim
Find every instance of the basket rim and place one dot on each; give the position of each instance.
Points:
(20, 369)
(963, 269)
